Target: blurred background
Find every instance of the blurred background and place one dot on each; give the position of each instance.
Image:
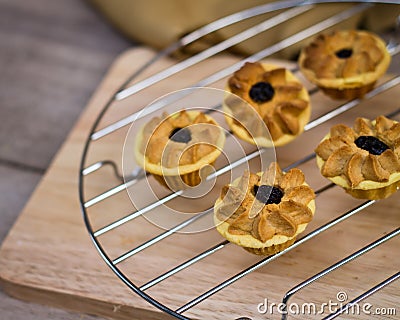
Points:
(53, 55)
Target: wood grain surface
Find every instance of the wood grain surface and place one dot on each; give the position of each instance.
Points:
(49, 258)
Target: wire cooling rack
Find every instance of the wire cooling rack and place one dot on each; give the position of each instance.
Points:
(99, 132)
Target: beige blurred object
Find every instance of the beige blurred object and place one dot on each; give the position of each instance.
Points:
(159, 23)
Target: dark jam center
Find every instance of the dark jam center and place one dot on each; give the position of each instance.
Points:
(261, 92)
(344, 53)
(268, 194)
(180, 135)
(372, 144)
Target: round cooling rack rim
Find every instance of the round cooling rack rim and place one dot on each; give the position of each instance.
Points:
(126, 90)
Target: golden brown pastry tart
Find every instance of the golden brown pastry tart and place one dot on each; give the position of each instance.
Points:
(345, 64)
(264, 212)
(279, 100)
(365, 159)
(174, 148)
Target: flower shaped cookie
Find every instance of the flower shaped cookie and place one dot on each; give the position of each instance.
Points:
(180, 139)
(279, 99)
(261, 211)
(175, 147)
(345, 64)
(365, 159)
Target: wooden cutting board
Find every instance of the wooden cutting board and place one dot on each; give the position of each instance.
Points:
(48, 256)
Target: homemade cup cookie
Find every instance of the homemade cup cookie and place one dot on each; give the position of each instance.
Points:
(365, 159)
(274, 106)
(175, 148)
(345, 64)
(264, 212)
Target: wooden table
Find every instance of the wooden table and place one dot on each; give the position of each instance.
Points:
(49, 51)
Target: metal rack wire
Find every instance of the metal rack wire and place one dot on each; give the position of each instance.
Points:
(294, 8)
